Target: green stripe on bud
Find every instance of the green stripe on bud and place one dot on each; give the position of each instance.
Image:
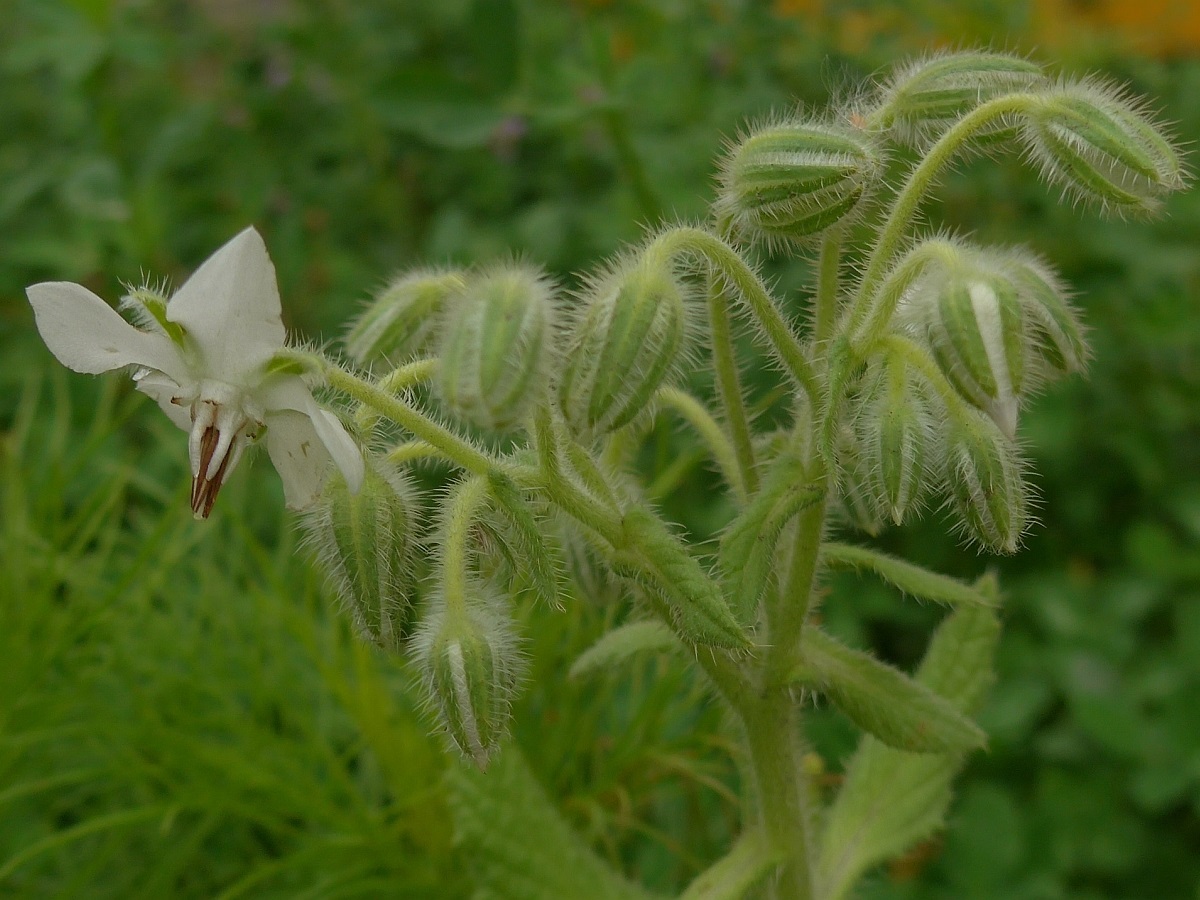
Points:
(792, 180)
(468, 652)
(977, 337)
(627, 342)
(895, 434)
(496, 346)
(365, 543)
(925, 97)
(986, 484)
(1098, 145)
(402, 319)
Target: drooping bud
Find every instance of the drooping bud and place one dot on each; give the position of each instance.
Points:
(986, 484)
(895, 434)
(791, 180)
(973, 323)
(402, 319)
(469, 656)
(496, 346)
(1101, 147)
(365, 543)
(925, 97)
(628, 340)
(1052, 321)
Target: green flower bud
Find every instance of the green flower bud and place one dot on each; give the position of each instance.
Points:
(1101, 147)
(973, 323)
(986, 484)
(859, 501)
(468, 653)
(792, 180)
(365, 543)
(401, 321)
(895, 434)
(925, 97)
(1052, 322)
(496, 347)
(628, 340)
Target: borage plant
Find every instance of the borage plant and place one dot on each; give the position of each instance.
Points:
(904, 388)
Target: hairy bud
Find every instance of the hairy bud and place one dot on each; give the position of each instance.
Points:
(895, 434)
(986, 484)
(628, 340)
(365, 542)
(1052, 322)
(496, 347)
(468, 652)
(402, 319)
(925, 97)
(1100, 147)
(792, 180)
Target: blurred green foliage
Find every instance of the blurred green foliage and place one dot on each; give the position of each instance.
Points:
(181, 715)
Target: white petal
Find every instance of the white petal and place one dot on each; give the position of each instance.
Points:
(345, 452)
(174, 400)
(87, 335)
(299, 456)
(286, 399)
(230, 306)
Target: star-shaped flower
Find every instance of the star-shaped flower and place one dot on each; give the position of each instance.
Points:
(204, 356)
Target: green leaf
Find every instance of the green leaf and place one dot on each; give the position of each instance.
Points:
(892, 799)
(618, 645)
(747, 554)
(659, 561)
(883, 701)
(909, 578)
(731, 876)
(516, 843)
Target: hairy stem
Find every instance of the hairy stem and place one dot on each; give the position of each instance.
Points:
(828, 270)
(753, 292)
(706, 426)
(903, 212)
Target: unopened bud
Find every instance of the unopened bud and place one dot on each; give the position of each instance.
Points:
(975, 330)
(496, 347)
(365, 541)
(859, 501)
(1098, 145)
(895, 433)
(628, 341)
(468, 654)
(986, 484)
(925, 97)
(792, 180)
(1052, 322)
(401, 321)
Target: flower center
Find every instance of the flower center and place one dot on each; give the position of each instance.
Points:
(221, 429)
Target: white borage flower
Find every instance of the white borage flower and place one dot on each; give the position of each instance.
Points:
(206, 357)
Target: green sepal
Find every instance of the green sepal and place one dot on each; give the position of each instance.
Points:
(516, 843)
(622, 643)
(658, 560)
(882, 700)
(909, 578)
(747, 552)
(891, 799)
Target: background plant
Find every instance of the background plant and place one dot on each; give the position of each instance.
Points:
(1096, 666)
